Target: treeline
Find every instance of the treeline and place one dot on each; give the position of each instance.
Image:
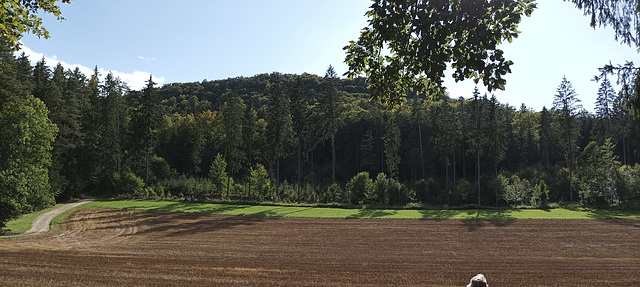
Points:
(302, 138)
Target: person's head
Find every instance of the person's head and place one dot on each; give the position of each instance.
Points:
(478, 281)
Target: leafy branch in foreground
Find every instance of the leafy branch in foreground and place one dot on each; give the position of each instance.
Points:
(19, 16)
(408, 45)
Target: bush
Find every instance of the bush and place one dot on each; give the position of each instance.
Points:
(160, 169)
(596, 174)
(358, 187)
(629, 186)
(218, 175)
(129, 184)
(517, 191)
(541, 195)
(186, 188)
(427, 191)
(388, 191)
(334, 194)
(260, 182)
(463, 193)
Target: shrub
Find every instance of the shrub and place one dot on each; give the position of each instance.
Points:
(260, 182)
(629, 186)
(427, 191)
(596, 174)
(334, 194)
(388, 191)
(218, 174)
(541, 195)
(129, 184)
(358, 187)
(517, 191)
(462, 194)
(160, 169)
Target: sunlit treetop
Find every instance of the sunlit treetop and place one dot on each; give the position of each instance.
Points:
(18, 17)
(408, 45)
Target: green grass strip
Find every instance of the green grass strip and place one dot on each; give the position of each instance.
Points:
(321, 212)
(23, 223)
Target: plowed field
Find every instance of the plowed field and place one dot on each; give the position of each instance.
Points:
(100, 247)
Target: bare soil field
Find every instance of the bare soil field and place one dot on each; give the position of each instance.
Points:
(101, 247)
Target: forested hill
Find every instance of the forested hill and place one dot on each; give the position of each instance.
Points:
(213, 94)
(310, 138)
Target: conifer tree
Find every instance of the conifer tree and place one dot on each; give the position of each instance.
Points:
(299, 117)
(145, 119)
(329, 110)
(279, 124)
(604, 110)
(567, 103)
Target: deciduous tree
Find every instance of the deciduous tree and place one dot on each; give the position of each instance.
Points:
(409, 44)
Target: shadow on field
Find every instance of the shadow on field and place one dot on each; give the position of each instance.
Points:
(165, 223)
(180, 224)
(628, 222)
(372, 213)
(475, 224)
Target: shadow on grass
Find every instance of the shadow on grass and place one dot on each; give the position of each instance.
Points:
(611, 213)
(372, 213)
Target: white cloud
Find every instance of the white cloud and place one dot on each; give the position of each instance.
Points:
(147, 59)
(135, 80)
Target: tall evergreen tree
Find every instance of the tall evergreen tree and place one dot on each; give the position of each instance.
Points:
(566, 101)
(279, 125)
(299, 117)
(392, 144)
(114, 126)
(477, 139)
(604, 110)
(526, 130)
(329, 109)
(145, 120)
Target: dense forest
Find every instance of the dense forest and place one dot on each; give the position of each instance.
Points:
(303, 138)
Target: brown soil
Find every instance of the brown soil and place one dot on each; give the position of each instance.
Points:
(95, 247)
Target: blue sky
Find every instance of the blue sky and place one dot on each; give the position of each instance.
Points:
(186, 41)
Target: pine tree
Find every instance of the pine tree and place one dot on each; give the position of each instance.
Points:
(330, 113)
(249, 137)
(145, 120)
(232, 113)
(566, 101)
(299, 117)
(112, 143)
(604, 110)
(279, 124)
(545, 134)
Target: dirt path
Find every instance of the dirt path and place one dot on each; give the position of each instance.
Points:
(42, 223)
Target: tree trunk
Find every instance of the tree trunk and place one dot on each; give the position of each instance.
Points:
(455, 187)
(333, 161)
(421, 152)
(250, 164)
(446, 172)
(299, 171)
(312, 174)
(277, 178)
(570, 147)
(478, 156)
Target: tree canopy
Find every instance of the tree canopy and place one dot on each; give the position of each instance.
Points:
(18, 17)
(408, 45)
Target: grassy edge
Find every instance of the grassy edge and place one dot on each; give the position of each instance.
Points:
(345, 213)
(23, 223)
